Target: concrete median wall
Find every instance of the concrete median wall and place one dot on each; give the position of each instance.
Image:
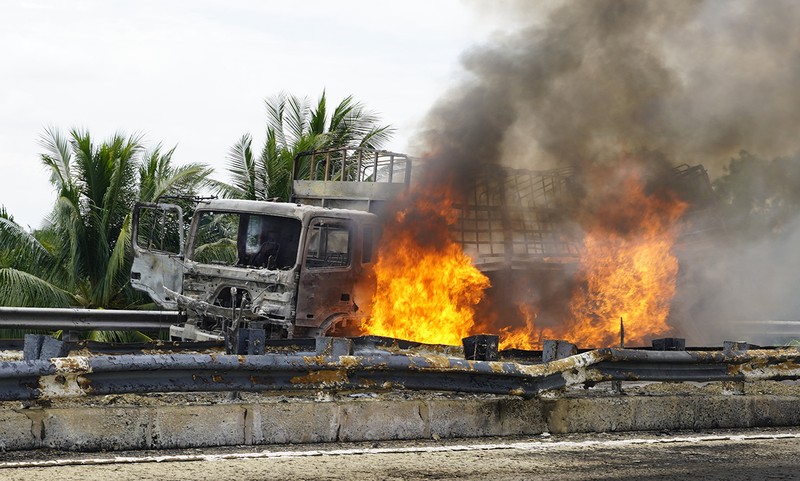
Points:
(252, 423)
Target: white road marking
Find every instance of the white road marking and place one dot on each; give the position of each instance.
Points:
(543, 445)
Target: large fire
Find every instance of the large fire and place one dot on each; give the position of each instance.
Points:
(528, 337)
(629, 272)
(427, 290)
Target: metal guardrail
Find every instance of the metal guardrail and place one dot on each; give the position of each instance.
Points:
(99, 375)
(76, 319)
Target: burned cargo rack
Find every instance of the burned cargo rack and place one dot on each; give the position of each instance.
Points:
(349, 178)
(515, 217)
(519, 218)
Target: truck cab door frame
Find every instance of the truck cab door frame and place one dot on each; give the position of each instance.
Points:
(328, 271)
(158, 249)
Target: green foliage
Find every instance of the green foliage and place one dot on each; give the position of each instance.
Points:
(4, 214)
(158, 177)
(83, 254)
(29, 274)
(295, 126)
(118, 336)
(222, 252)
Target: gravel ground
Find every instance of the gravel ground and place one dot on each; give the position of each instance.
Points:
(713, 455)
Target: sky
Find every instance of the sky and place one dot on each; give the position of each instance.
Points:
(195, 73)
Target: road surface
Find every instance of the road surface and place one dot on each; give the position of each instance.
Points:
(772, 454)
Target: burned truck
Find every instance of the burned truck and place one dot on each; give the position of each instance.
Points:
(244, 270)
(254, 269)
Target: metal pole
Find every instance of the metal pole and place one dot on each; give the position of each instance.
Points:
(76, 319)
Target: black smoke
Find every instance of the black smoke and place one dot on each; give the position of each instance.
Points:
(585, 83)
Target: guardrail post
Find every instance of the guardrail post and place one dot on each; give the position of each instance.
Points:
(40, 346)
(669, 344)
(251, 341)
(731, 348)
(334, 346)
(32, 346)
(553, 350)
(481, 347)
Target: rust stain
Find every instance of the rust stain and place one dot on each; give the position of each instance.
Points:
(437, 362)
(349, 361)
(85, 384)
(216, 378)
(495, 366)
(321, 377)
(71, 364)
(318, 360)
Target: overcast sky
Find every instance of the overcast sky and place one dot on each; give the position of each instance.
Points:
(195, 73)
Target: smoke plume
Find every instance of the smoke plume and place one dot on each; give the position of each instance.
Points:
(583, 83)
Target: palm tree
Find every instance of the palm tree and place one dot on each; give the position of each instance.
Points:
(294, 126)
(82, 256)
(29, 273)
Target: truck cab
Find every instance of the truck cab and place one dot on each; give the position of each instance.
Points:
(283, 269)
(289, 268)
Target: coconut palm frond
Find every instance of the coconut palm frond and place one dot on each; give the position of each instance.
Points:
(342, 111)
(22, 289)
(21, 247)
(119, 196)
(118, 336)
(377, 137)
(58, 157)
(222, 251)
(66, 219)
(318, 117)
(223, 189)
(295, 120)
(294, 126)
(275, 110)
(276, 164)
(184, 180)
(242, 167)
(115, 269)
(157, 176)
(151, 168)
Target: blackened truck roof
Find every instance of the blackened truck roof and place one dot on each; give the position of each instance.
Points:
(283, 209)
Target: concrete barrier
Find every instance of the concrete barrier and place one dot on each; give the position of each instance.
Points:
(305, 421)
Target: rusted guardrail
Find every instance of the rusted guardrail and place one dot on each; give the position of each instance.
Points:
(98, 375)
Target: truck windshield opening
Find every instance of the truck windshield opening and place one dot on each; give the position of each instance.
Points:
(246, 240)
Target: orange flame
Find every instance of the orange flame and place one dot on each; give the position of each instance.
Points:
(528, 337)
(426, 291)
(629, 273)
(427, 287)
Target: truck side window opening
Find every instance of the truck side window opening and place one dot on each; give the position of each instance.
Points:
(328, 245)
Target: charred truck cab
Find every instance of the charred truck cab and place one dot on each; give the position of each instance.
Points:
(289, 269)
(254, 269)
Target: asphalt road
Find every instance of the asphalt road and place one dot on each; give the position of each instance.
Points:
(770, 454)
